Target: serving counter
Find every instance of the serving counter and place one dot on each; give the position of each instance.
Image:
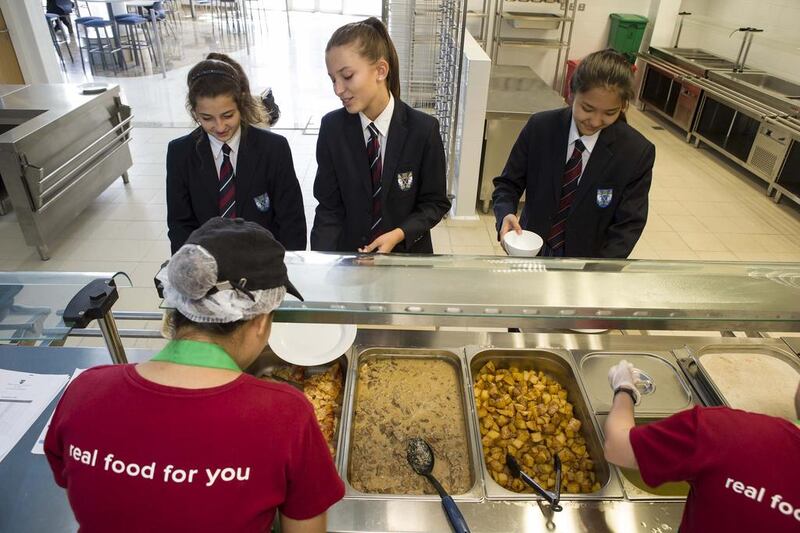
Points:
(383, 292)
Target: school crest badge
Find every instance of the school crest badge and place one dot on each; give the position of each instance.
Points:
(604, 197)
(262, 202)
(405, 180)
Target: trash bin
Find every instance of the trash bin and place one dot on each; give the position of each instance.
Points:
(625, 35)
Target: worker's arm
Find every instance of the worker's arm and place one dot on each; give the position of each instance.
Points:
(617, 429)
(622, 378)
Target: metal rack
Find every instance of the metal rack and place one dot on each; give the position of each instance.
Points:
(429, 37)
(561, 20)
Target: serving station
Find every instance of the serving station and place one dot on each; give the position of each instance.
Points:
(434, 378)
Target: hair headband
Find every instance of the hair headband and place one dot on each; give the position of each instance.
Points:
(212, 72)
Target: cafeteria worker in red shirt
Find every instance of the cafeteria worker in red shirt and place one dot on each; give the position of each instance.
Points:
(743, 468)
(187, 441)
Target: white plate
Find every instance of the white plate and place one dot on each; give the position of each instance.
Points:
(311, 344)
(588, 330)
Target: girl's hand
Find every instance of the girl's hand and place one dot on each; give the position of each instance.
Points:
(385, 243)
(510, 222)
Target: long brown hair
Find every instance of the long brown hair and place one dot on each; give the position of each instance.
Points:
(218, 74)
(373, 43)
(606, 68)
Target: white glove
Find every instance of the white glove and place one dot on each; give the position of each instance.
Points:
(624, 376)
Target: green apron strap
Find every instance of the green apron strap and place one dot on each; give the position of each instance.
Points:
(196, 353)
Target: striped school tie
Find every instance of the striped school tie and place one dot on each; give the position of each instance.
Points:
(569, 185)
(375, 170)
(227, 189)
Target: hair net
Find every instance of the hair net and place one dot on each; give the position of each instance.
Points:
(192, 273)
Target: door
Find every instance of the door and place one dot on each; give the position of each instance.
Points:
(10, 72)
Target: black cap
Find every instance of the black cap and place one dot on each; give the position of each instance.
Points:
(244, 251)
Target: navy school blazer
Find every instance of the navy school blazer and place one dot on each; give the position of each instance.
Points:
(343, 185)
(610, 208)
(267, 190)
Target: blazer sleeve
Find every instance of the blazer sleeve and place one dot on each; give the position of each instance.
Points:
(181, 219)
(511, 183)
(330, 214)
(431, 202)
(290, 217)
(631, 214)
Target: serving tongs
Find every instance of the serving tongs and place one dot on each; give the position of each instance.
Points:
(551, 497)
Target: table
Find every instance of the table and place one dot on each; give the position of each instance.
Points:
(29, 498)
(154, 23)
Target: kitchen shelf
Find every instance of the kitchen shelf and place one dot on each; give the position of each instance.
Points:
(523, 42)
(562, 21)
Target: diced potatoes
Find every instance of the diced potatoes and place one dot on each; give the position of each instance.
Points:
(527, 414)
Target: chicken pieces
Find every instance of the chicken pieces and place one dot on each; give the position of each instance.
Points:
(526, 414)
(324, 391)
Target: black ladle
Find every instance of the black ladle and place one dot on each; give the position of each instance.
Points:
(420, 457)
(551, 497)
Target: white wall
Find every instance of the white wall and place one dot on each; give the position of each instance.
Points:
(32, 43)
(776, 50)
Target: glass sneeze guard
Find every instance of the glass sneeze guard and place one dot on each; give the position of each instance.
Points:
(509, 291)
(32, 303)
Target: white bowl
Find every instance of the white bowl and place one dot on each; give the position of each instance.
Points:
(526, 244)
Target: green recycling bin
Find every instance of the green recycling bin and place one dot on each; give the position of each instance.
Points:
(626, 34)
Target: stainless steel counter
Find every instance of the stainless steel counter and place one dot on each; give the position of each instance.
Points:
(59, 149)
(30, 500)
(515, 90)
(515, 93)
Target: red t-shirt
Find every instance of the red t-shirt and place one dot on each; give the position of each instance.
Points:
(138, 456)
(743, 468)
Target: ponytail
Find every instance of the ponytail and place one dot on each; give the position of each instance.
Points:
(373, 43)
(219, 75)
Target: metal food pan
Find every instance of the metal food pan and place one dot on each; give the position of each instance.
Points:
(451, 356)
(634, 486)
(705, 377)
(268, 362)
(664, 389)
(557, 364)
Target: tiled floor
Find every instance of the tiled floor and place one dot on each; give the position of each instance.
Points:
(702, 207)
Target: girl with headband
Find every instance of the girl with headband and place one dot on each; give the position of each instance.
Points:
(228, 166)
(381, 171)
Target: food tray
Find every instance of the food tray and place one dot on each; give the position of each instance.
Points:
(268, 362)
(664, 389)
(363, 354)
(557, 364)
(707, 380)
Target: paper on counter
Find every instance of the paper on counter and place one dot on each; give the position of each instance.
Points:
(38, 448)
(23, 398)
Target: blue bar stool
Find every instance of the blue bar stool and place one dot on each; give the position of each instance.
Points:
(133, 24)
(80, 21)
(109, 47)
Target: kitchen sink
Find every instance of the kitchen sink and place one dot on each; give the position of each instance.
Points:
(769, 83)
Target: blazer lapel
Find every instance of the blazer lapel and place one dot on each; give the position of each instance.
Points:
(557, 158)
(394, 147)
(598, 162)
(246, 161)
(358, 147)
(208, 178)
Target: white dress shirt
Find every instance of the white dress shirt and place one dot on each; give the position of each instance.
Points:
(216, 149)
(588, 141)
(382, 124)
